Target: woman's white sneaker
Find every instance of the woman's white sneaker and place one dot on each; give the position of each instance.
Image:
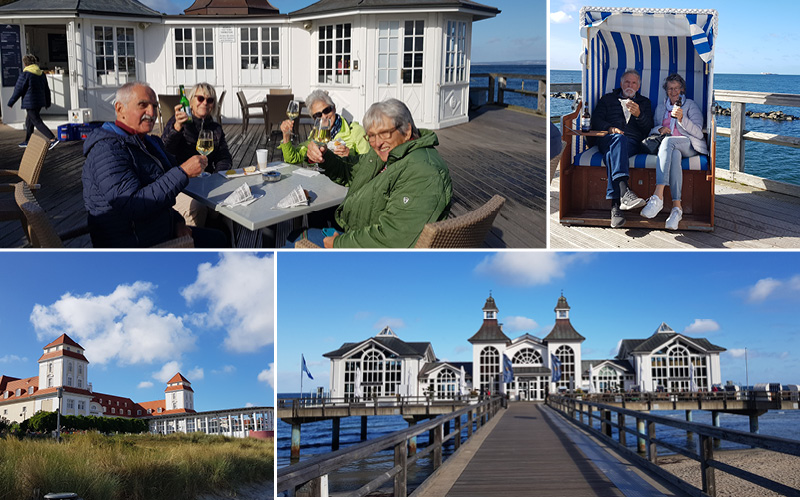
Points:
(654, 205)
(674, 218)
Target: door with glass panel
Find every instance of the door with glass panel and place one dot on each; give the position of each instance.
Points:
(400, 63)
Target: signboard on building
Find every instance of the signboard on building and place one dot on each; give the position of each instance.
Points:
(226, 34)
(10, 54)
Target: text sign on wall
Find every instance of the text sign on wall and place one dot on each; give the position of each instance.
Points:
(10, 54)
(226, 34)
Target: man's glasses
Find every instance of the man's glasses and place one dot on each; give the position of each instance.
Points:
(201, 98)
(323, 112)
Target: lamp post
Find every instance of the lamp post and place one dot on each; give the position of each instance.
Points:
(58, 415)
(746, 373)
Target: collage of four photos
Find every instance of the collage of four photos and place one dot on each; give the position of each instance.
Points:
(522, 248)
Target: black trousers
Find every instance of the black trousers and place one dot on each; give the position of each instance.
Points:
(34, 120)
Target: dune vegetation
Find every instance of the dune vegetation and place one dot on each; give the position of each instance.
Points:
(132, 467)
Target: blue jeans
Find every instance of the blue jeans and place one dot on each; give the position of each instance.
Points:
(616, 149)
(669, 171)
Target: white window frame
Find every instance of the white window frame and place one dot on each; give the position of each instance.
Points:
(388, 52)
(455, 52)
(263, 54)
(334, 54)
(112, 77)
(446, 384)
(414, 58)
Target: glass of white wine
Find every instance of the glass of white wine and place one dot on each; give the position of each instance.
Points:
(293, 111)
(205, 142)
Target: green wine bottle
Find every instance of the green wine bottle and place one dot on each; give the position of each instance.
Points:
(185, 106)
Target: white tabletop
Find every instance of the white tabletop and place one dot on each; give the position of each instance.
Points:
(213, 189)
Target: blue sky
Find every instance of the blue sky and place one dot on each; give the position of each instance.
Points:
(518, 33)
(753, 37)
(736, 300)
(143, 316)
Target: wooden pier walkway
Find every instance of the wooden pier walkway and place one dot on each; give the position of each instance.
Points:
(499, 151)
(530, 452)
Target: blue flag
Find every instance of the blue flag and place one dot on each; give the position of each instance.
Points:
(556, 367)
(304, 368)
(508, 370)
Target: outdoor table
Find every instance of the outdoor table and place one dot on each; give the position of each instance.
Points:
(213, 189)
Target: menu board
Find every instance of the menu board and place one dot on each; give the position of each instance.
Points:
(10, 54)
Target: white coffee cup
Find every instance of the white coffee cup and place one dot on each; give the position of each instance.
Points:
(261, 157)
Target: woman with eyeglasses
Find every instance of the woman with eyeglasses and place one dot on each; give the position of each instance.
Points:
(320, 105)
(180, 139)
(394, 190)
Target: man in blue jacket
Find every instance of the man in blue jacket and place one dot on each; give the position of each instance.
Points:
(130, 182)
(627, 116)
(32, 87)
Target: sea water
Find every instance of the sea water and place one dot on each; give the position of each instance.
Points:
(315, 439)
(780, 163)
(511, 98)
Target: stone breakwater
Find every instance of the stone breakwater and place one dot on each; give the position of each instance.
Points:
(779, 116)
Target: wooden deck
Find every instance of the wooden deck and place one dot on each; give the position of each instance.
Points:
(745, 218)
(527, 455)
(500, 151)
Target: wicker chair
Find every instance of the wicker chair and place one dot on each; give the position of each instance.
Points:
(42, 234)
(247, 113)
(30, 168)
(466, 231)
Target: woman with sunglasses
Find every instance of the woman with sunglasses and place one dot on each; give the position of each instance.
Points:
(180, 139)
(320, 105)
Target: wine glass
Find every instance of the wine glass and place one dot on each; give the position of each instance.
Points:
(313, 136)
(324, 131)
(293, 111)
(205, 142)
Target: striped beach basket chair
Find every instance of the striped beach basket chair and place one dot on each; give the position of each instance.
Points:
(657, 43)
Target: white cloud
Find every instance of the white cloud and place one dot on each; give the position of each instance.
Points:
(225, 370)
(527, 268)
(763, 289)
(519, 324)
(239, 290)
(736, 353)
(560, 17)
(167, 371)
(461, 348)
(702, 326)
(125, 325)
(195, 374)
(12, 358)
(145, 384)
(268, 376)
(393, 323)
(249, 405)
(794, 283)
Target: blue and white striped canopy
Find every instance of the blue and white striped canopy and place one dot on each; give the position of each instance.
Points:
(655, 42)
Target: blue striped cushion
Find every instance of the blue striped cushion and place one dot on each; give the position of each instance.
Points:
(592, 158)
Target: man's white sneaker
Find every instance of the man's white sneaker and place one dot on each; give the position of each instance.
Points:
(674, 218)
(654, 205)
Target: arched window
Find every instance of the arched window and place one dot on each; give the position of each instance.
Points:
(446, 384)
(607, 379)
(372, 373)
(527, 356)
(490, 368)
(678, 364)
(567, 357)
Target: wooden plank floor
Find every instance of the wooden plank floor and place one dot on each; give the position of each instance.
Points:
(745, 218)
(526, 455)
(500, 151)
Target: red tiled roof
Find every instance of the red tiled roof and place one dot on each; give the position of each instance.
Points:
(110, 401)
(178, 378)
(63, 339)
(154, 405)
(179, 388)
(172, 412)
(56, 354)
(13, 384)
(4, 380)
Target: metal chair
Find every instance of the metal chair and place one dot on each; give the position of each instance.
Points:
(41, 233)
(218, 107)
(247, 113)
(465, 231)
(276, 111)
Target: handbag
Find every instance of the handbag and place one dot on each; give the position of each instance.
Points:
(653, 142)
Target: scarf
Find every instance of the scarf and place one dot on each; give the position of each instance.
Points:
(33, 68)
(668, 113)
(336, 127)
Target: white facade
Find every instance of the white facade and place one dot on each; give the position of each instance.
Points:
(418, 55)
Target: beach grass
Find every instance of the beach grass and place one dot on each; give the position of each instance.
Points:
(132, 467)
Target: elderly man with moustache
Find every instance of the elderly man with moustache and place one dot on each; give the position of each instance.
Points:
(130, 182)
(627, 116)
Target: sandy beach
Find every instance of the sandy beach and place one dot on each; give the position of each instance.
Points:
(772, 465)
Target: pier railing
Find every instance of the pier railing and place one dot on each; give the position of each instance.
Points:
(588, 413)
(759, 399)
(309, 477)
(499, 81)
(329, 402)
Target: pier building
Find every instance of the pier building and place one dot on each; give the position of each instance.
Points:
(63, 382)
(360, 52)
(385, 367)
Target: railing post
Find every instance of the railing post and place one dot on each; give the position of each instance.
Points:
(317, 487)
(591, 414)
(491, 99)
(469, 424)
(336, 423)
(437, 447)
(580, 411)
(457, 441)
(737, 137)
(707, 471)
(606, 422)
(295, 453)
(652, 451)
(501, 89)
(401, 459)
(541, 105)
(623, 434)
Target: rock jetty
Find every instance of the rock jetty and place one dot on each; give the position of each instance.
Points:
(769, 115)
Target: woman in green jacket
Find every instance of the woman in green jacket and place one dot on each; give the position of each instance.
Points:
(320, 105)
(395, 189)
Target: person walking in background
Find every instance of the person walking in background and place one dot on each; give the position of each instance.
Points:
(34, 91)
